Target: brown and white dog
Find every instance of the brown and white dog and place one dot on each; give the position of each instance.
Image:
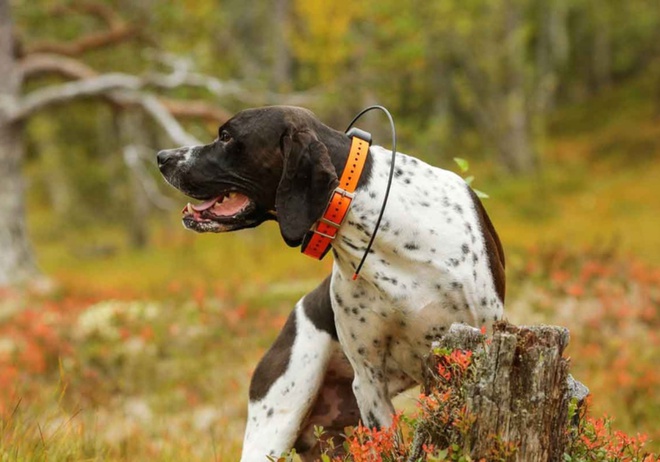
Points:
(349, 346)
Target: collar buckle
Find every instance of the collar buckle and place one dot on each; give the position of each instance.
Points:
(344, 193)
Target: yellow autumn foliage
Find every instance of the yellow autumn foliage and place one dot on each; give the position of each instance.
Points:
(320, 36)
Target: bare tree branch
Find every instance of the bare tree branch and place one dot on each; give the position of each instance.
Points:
(46, 63)
(117, 32)
(125, 90)
(192, 79)
(102, 11)
(84, 44)
(120, 88)
(163, 117)
(90, 83)
(57, 94)
(49, 63)
(183, 74)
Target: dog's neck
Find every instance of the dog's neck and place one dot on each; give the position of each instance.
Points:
(397, 241)
(351, 244)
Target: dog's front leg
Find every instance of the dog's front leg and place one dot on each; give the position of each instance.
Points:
(372, 395)
(284, 387)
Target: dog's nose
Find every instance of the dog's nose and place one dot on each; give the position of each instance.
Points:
(164, 157)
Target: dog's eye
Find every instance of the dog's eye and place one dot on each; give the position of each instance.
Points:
(224, 136)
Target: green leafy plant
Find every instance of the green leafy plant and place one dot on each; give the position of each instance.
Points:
(464, 166)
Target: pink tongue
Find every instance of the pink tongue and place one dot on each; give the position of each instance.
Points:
(205, 205)
(231, 206)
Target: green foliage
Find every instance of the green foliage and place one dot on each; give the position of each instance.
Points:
(321, 40)
(464, 166)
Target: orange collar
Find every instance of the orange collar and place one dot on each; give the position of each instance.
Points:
(318, 241)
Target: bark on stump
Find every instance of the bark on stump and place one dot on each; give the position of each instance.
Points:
(521, 389)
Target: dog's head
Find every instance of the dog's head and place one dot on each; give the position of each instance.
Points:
(275, 162)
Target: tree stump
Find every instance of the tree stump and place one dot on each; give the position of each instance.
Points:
(519, 392)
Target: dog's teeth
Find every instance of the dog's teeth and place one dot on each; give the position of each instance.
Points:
(232, 195)
(189, 208)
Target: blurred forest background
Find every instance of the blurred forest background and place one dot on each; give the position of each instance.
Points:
(124, 337)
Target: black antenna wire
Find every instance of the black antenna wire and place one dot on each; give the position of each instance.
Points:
(389, 181)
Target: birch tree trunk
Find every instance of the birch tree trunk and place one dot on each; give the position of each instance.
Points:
(132, 132)
(281, 67)
(17, 262)
(517, 148)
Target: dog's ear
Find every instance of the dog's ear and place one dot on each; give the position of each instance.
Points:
(308, 179)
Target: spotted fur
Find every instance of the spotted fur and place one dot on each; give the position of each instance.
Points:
(429, 269)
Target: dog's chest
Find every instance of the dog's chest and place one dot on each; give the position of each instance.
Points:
(395, 327)
(427, 269)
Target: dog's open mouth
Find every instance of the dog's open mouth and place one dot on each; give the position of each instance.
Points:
(226, 212)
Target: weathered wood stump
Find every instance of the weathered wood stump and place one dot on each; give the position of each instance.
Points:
(518, 392)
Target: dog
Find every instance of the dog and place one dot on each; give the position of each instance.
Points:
(350, 345)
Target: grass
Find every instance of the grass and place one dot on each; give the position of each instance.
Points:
(147, 354)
